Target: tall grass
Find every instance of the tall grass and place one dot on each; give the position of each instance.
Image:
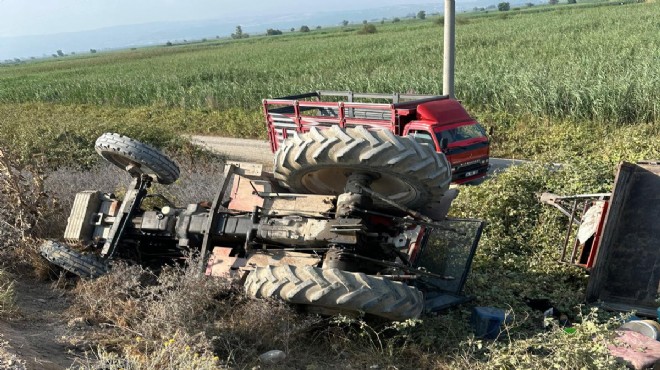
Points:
(580, 63)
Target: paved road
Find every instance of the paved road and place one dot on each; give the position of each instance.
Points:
(242, 150)
(258, 151)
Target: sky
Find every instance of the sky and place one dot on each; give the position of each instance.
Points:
(43, 17)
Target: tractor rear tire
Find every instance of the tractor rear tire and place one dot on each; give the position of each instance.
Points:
(122, 151)
(405, 171)
(336, 290)
(84, 265)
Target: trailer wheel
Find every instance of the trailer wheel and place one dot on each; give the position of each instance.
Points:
(125, 152)
(320, 161)
(83, 265)
(336, 290)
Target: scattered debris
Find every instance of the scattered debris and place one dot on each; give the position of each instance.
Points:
(272, 357)
(78, 322)
(487, 321)
(635, 349)
(649, 328)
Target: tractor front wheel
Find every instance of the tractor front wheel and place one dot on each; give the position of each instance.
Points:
(126, 153)
(83, 265)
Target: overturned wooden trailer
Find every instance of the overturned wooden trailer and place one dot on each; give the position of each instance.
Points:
(618, 241)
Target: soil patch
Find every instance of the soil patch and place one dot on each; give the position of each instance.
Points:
(34, 337)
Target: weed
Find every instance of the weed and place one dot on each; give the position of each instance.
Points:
(25, 211)
(7, 296)
(172, 354)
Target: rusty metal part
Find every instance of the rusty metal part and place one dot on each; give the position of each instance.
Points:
(337, 258)
(246, 169)
(244, 194)
(408, 221)
(281, 257)
(392, 203)
(302, 204)
(248, 192)
(354, 196)
(220, 264)
(213, 213)
(131, 204)
(558, 200)
(576, 208)
(409, 269)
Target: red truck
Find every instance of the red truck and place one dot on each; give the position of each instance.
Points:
(438, 121)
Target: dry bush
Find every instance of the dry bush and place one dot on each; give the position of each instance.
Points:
(26, 209)
(64, 182)
(152, 305)
(182, 298)
(7, 297)
(9, 359)
(141, 310)
(22, 193)
(114, 298)
(198, 181)
(172, 354)
(367, 343)
(135, 311)
(248, 328)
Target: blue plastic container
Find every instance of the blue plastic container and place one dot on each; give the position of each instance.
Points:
(487, 321)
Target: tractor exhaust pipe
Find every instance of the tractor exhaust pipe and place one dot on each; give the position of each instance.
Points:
(449, 48)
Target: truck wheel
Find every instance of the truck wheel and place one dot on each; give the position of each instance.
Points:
(83, 265)
(320, 161)
(123, 151)
(336, 290)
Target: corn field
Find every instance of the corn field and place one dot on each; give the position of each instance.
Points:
(576, 63)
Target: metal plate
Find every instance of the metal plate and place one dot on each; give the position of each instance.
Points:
(79, 226)
(279, 258)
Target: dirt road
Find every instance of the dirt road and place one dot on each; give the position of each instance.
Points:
(243, 150)
(33, 337)
(258, 151)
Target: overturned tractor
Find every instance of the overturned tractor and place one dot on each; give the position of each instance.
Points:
(350, 221)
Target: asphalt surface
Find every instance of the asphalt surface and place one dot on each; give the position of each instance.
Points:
(258, 151)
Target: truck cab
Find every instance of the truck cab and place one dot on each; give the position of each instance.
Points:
(446, 125)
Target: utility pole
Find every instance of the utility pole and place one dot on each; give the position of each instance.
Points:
(449, 47)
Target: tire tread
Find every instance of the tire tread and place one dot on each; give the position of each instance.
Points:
(336, 289)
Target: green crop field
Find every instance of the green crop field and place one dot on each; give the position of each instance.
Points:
(574, 84)
(563, 66)
(597, 63)
(517, 71)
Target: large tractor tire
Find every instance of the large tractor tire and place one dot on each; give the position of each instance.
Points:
(337, 290)
(124, 152)
(320, 161)
(83, 265)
